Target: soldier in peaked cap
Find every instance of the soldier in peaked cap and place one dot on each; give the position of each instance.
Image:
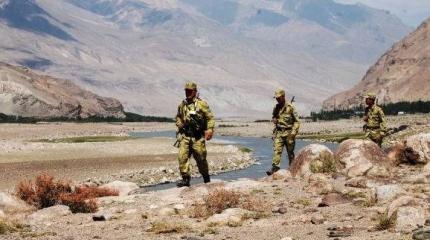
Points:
(375, 125)
(287, 125)
(195, 123)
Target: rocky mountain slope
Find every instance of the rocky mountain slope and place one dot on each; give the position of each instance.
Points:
(142, 51)
(28, 94)
(401, 74)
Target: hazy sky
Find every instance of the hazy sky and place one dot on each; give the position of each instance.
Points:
(412, 12)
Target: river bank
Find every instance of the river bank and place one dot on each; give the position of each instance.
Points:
(100, 153)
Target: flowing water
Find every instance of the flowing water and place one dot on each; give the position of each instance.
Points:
(262, 150)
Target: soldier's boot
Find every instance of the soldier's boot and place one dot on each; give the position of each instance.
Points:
(291, 157)
(185, 182)
(206, 178)
(273, 170)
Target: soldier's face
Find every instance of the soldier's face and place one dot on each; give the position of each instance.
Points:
(190, 93)
(369, 101)
(280, 100)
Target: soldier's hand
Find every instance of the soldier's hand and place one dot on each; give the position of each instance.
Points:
(208, 135)
(180, 125)
(274, 121)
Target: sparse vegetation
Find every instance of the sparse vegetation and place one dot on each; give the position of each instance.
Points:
(304, 201)
(220, 199)
(160, 227)
(86, 139)
(46, 192)
(333, 137)
(324, 164)
(245, 149)
(385, 222)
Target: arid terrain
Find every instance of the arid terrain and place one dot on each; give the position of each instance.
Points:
(356, 192)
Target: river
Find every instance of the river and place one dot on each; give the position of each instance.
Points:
(262, 150)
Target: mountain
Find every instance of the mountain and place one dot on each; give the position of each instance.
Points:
(238, 51)
(401, 74)
(28, 94)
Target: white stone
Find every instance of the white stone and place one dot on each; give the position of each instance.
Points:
(228, 216)
(409, 219)
(387, 192)
(124, 188)
(420, 143)
(48, 215)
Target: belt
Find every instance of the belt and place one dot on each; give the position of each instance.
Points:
(284, 128)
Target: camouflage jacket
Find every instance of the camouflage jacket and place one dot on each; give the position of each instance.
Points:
(375, 118)
(287, 117)
(195, 116)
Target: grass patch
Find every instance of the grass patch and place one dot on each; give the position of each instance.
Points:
(333, 137)
(86, 139)
(46, 192)
(304, 201)
(245, 149)
(324, 164)
(160, 227)
(385, 222)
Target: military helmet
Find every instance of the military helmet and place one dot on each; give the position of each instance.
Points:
(191, 86)
(370, 95)
(279, 92)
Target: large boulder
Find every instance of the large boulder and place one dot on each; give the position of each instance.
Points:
(123, 188)
(48, 216)
(409, 219)
(420, 143)
(314, 158)
(231, 217)
(362, 158)
(319, 184)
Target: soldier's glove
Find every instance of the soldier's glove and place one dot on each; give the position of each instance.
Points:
(208, 135)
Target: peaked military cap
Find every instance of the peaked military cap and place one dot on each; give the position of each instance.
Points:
(191, 86)
(279, 92)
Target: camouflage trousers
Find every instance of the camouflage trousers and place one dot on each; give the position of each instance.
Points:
(189, 146)
(375, 135)
(281, 139)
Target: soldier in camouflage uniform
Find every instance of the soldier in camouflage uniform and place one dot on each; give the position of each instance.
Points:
(195, 123)
(375, 125)
(287, 125)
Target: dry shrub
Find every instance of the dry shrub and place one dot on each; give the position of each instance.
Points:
(43, 192)
(220, 199)
(46, 192)
(385, 222)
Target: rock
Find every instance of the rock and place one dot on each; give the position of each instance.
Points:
(229, 217)
(287, 238)
(359, 157)
(401, 202)
(332, 199)
(387, 192)
(166, 211)
(124, 188)
(423, 234)
(314, 158)
(420, 143)
(48, 215)
(2, 215)
(378, 172)
(319, 184)
(102, 216)
(409, 219)
(317, 219)
(9, 203)
(426, 168)
(357, 182)
(281, 175)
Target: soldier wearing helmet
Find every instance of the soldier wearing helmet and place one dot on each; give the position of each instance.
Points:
(287, 125)
(195, 123)
(375, 125)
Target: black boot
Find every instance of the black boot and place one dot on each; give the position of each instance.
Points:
(273, 170)
(206, 178)
(185, 182)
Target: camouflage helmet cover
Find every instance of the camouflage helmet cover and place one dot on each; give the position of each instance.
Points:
(279, 92)
(191, 86)
(370, 95)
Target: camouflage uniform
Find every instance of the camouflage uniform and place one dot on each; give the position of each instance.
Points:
(286, 129)
(193, 119)
(376, 126)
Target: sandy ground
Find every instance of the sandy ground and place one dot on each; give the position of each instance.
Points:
(22, 158)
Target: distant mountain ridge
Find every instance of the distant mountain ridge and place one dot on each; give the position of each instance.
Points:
(238, 51)
(401, 74)
(25, 93)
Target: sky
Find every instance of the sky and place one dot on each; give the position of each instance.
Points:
(412, 12)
